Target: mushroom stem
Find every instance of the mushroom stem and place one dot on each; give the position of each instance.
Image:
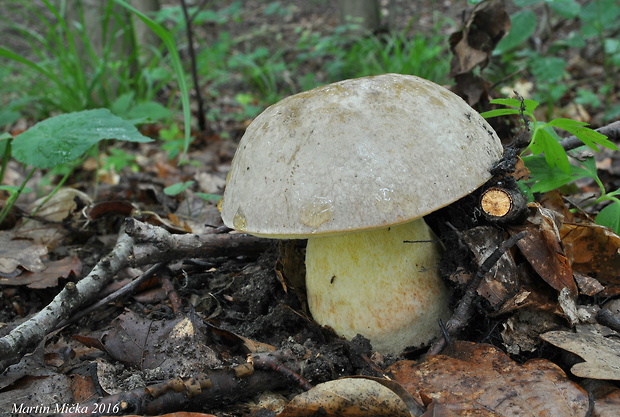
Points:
(376, 284)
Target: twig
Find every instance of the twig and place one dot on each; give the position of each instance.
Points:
(465, 309)
(211, 389)
(31, 332)
(154, 244)
(149, 245)
(171, 293)
(121, 292)
(269, 361)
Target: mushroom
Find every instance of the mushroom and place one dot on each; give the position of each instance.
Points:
(353, 167)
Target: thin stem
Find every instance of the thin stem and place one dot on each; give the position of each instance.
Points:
(11, 200)
(202, 121)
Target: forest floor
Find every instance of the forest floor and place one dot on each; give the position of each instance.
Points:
(226, 333)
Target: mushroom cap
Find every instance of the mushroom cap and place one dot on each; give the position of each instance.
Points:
(355, 155)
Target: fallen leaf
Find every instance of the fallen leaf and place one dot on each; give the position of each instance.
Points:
(48, 277)
(608, 404)
(593, 249)
(542, 247)
(481, 380)
(474, 44)
(601, 354)
(177, 346)
(55, 217)
(15, 253)
(347, 397)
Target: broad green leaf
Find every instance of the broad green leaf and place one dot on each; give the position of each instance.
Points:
(548, 68)
(555, 155)
(178, 188)
(523, 26)
(610, 217)
(147, 112)
(565, 8)
(122, 104)
(525, 3)
(589, 164)
(550, 178)
(207, 197)
(66, 137)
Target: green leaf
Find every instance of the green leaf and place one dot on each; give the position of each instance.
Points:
(610, 217)
(545, 140)
(548, 68)
(207, 197)
(147, 112)
(177, 66)
(523, 26)
(565, 124)
(498, 112)
(66, 137)
(589, 165)
(590, 137)
(565, 8)
(530, 105)
(11, 189)
(178, 188)
(512, 102)
(549, 178)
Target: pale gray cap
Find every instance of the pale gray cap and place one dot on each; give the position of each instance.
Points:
(355, 155)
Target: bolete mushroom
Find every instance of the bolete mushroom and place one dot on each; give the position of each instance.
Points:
(352, 167)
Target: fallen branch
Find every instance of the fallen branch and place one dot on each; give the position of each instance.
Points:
(154, 244)
(30, 333)
(209, 390)
(465, 307)
(140, 244)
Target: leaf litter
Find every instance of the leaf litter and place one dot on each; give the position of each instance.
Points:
(244, 328)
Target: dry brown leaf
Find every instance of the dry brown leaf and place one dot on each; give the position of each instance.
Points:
(593, 249)
(53, 220)
(607, 405)
(543, 249)
(176, 346)
(48, 277)
(347, 397)
(482, 380)
(474, 44)
(601, 354)
(16, 253)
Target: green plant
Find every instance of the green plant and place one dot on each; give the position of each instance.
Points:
(597, 24)
(550, 164)
(71, 73)
(180, 188)
(173, 140)
(64, 140)
(67, 72)
(119, 159)
(425, 55)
